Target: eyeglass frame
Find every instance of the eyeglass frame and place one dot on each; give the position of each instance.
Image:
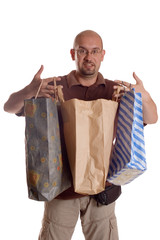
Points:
(86, 52)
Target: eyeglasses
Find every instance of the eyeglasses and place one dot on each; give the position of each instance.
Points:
(83, 52)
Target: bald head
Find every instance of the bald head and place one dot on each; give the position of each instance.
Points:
(87, 34)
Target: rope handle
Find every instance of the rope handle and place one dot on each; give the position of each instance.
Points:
(39, 89)
(116, 91)
(58, 91)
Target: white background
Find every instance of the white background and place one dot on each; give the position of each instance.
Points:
(35, 32)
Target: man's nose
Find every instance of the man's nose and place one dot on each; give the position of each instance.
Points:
(88, 55)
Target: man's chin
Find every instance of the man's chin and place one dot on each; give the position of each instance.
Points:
(88, 73)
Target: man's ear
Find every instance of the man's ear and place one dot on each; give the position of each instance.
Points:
(103, 53)
(72, 52)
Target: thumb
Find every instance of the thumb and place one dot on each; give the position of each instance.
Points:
(138, 80)
(38, 74)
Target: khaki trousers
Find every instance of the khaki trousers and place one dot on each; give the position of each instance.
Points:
(60, 217)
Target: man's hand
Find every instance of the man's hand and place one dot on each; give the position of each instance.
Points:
(149, 107)
(138, 86)
(15, 102)
(46, 89)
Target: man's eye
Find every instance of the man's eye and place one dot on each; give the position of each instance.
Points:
(95, 51)
(82, 51)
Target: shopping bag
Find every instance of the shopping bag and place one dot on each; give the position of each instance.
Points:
(128, 159)
(88, 131)
(48, 172)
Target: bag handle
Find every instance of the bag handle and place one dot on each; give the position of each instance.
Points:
(39, 89)
(58, 91)
(116, 91)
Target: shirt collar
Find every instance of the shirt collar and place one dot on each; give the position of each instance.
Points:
(72, 81)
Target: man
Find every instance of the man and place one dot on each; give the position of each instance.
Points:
(86, 83)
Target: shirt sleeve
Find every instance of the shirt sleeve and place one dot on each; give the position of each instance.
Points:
(21, 113)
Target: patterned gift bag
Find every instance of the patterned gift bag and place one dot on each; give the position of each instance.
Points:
(47, 174)
(128, 159)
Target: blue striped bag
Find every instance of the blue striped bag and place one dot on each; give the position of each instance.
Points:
(128, 159)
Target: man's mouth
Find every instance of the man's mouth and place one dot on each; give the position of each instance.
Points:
(87, 64)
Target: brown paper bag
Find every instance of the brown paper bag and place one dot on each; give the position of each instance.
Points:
(88, 131)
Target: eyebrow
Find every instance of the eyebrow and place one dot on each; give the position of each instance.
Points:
(87, 49)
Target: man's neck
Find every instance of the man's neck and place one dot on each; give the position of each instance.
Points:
(86, 80)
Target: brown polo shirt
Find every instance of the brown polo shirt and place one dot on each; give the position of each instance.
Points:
(102, 88)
